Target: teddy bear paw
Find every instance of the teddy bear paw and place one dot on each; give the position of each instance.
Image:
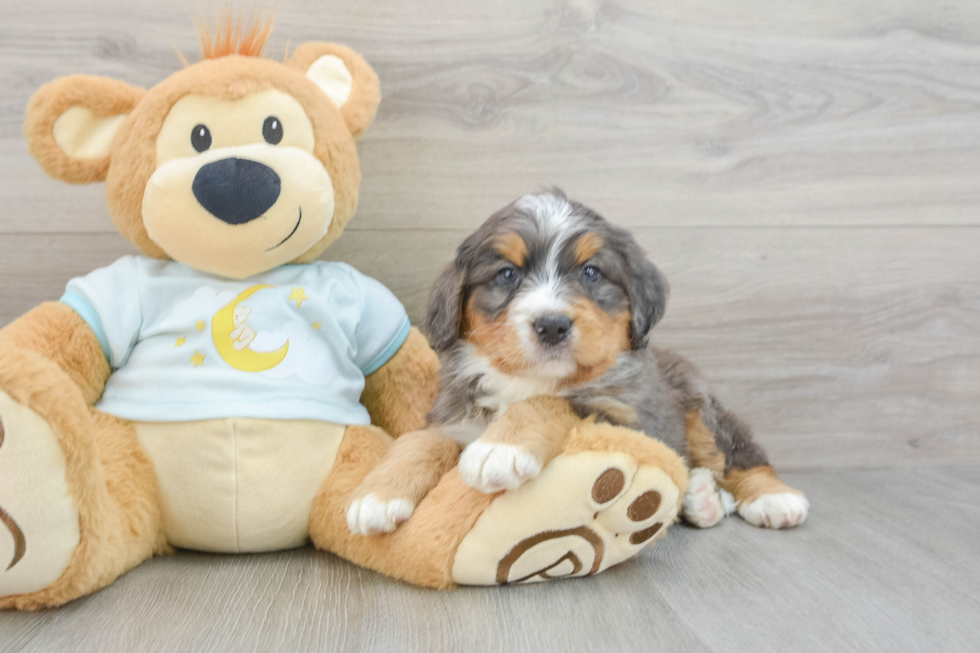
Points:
(39, 524)
(584, 513)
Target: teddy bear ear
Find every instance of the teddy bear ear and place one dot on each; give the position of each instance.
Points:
(345, 78)
(71, 122)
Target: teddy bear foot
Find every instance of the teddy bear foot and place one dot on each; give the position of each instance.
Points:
(40, 525)
(610, 493)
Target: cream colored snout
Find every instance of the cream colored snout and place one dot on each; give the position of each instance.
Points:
(177, 221)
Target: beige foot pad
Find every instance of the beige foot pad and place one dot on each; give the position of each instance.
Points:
(38, 519)
(585, 513)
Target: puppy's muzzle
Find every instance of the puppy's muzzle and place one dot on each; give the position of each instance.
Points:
(552, 329)
(236, 190)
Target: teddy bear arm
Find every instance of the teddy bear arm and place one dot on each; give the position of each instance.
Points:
(399, 395)
(57, 333)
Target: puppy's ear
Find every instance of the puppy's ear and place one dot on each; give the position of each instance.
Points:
(444, 318)
(648, 291)
(71, 122)
(345, 78)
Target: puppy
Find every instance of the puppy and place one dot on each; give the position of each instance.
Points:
(546, 311)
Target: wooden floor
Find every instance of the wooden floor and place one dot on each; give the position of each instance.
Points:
(888, 562)
(806, 173)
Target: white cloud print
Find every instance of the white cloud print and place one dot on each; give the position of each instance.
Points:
(307, 359)
(202, 305)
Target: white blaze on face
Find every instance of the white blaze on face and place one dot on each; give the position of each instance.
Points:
(541, 293)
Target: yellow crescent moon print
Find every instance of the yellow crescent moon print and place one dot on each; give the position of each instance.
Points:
(246, 360)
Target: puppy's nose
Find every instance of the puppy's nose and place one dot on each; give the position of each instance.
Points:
(235, 190)
(552, 329)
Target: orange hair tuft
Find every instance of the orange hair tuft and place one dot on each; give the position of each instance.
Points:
(234, 36)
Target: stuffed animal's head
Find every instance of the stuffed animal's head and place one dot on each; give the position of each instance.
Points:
(234, 165)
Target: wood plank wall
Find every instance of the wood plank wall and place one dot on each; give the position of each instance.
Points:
(807, 175)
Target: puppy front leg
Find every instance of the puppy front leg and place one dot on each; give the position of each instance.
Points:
(518, 445)
(387, 496)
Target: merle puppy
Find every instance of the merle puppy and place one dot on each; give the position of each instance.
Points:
(549, 299)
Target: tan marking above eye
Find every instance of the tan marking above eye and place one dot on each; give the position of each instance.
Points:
(512, 247)
(233, 123)
(587, 246)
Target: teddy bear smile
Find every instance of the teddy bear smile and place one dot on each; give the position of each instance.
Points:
(298, 220)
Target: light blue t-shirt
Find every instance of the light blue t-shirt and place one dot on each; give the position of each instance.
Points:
(292, 343)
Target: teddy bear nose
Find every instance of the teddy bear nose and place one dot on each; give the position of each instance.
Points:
(236, 190)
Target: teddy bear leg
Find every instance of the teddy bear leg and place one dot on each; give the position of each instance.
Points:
(607, 494)
(78, 501)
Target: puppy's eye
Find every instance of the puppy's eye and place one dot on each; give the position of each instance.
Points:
(507, 276)
(272, 130)
(201, 138)
(591, 274)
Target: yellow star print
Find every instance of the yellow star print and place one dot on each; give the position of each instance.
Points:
(316, 325)
(200, 325)
(197, 358)
(299, 294)
(180, 341)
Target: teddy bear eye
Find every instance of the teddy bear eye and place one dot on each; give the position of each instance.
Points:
(272, 130)
(201, 138)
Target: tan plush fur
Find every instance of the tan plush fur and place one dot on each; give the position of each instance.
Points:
(103, 96)
(231, 78)
(362, 105)
(111, 481)
(109, 476)
(400, 394)
(57, 333)
(133, 153)
(646, 451)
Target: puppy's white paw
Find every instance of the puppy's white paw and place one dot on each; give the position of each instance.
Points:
(490, 467)
(369, 516)
(782, 510)
(703, 506)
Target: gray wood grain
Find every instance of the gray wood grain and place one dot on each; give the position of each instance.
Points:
(830, 113)
(880, 566)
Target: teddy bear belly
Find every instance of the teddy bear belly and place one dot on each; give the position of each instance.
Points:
(239, 484)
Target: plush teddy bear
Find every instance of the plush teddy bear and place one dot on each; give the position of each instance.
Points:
(227, 392)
